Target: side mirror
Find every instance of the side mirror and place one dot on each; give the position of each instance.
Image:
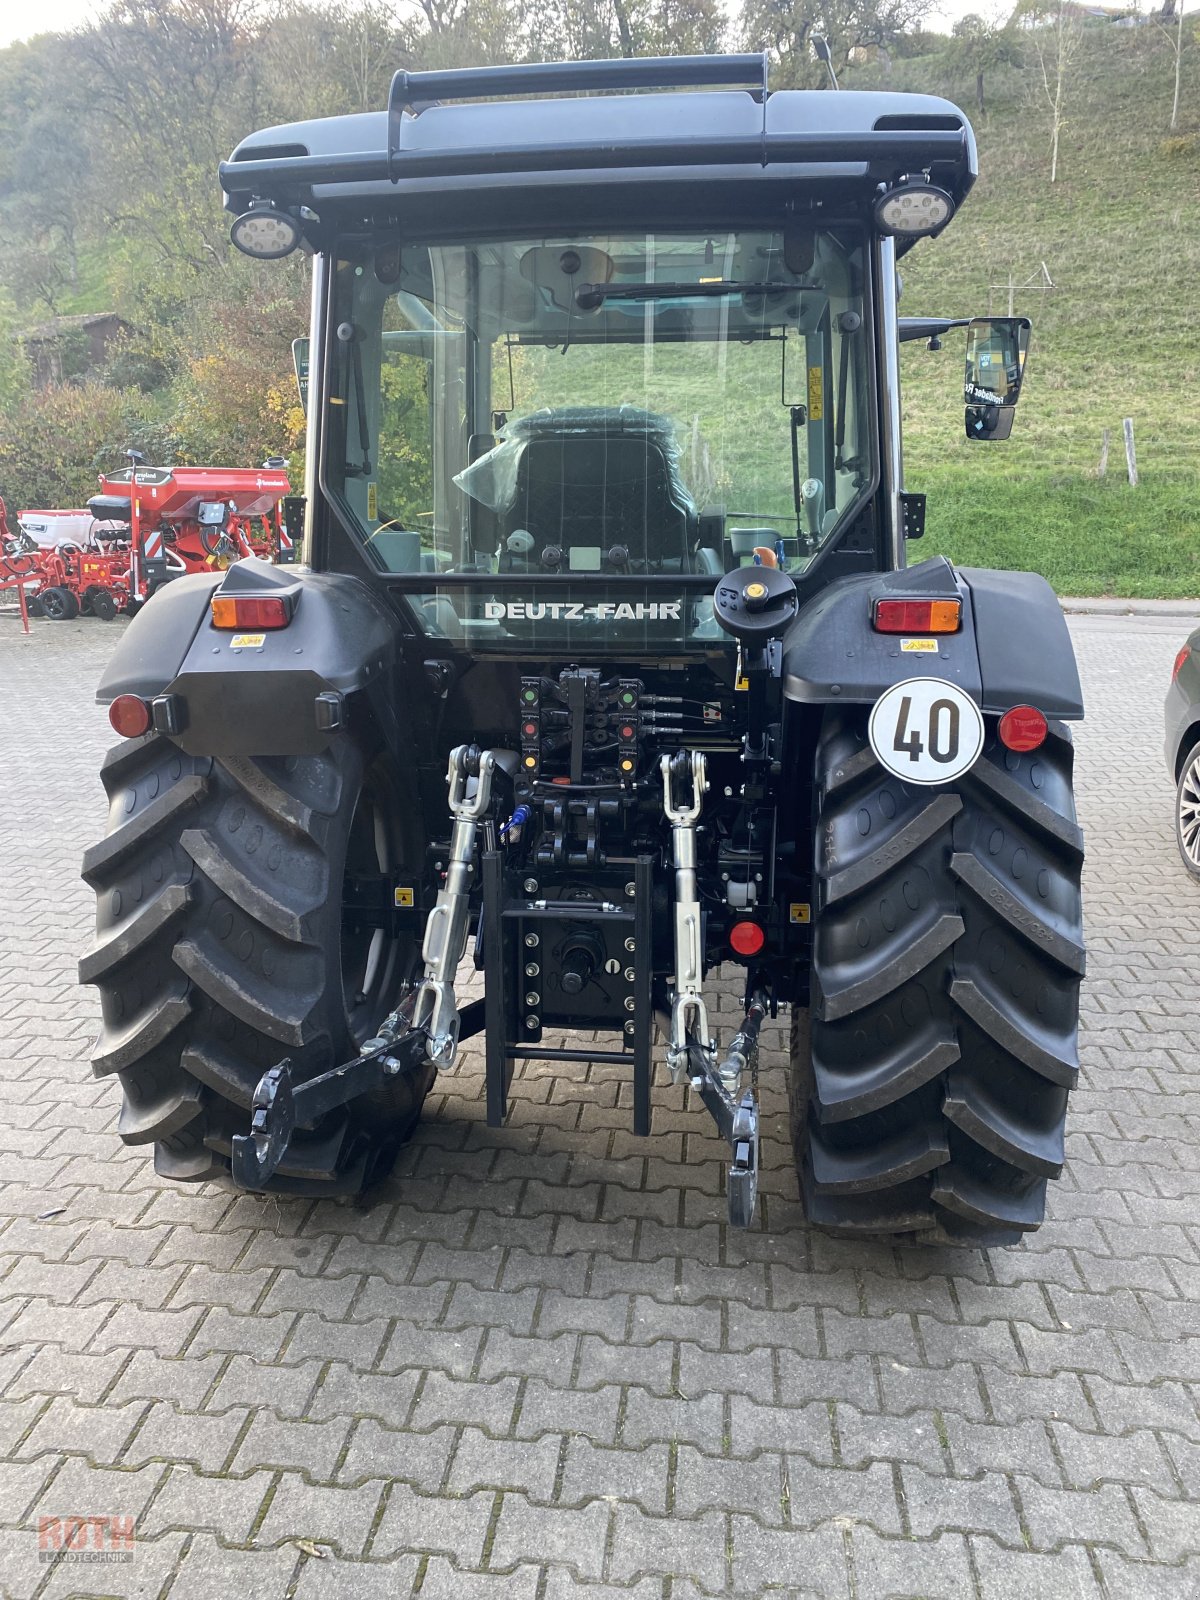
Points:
(300, 362)
(996, 351)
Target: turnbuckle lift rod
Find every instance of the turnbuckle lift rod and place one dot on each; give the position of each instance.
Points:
(689, 1016)
(436, 1010)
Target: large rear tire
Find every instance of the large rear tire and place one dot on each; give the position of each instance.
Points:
(223, 945)
(929, 1081)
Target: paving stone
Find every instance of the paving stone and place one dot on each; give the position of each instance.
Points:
(309, 1447)
(884, 1568)
(154, 1563)
(1129, 1580)
(190, 1500)
(210, 1569)
(803, 1562)
(625, 1474)
(325, 1514)
(412, 1347)
(346, 1393)
(1172, 1526)
(593, 1414)
(389, 1453)
(443, 1581)
(443, 1399)
(1094, 1516)
(311, 1337)
(1010, 1447)
(638, 1547)
(1092, 1458)
(1008, 1574)
(285, 1390)
(454, 1526)
(526, 1466)
(934, 1504)
(699, 1421)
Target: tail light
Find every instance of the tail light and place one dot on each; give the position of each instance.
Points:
(918, 616)
(251, 612)
(1179, 660)
(1023, 728)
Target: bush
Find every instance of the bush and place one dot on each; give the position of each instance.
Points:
(57, 440)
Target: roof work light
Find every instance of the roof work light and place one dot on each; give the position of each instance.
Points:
(913, 209)
(265, 232)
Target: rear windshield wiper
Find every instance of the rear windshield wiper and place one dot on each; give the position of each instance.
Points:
(588, 296)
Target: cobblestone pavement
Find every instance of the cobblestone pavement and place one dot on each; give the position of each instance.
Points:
(542, 1366)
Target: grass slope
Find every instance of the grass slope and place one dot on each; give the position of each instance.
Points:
(1118, 336)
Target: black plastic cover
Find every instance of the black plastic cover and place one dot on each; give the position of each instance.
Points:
(1013, 648)
(152, 648)
(255, 693)
(1025, 651)
(833, 654)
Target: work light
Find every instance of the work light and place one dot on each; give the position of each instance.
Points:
(265, 232)
(913, 210)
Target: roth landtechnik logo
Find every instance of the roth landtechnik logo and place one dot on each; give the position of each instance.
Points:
(97, 1540)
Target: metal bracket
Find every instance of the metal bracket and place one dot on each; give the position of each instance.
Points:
(279, 1105)
(436, 1010)
(737, 1118)
(912, 509)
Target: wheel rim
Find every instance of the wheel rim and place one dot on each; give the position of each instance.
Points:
(375, 968)
(1189, 813)
(52, 605)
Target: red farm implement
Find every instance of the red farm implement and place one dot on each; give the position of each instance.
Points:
(151, 524)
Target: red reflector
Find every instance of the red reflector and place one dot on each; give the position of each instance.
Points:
(747, 938)
(130, 716)
(1179, 660)
(918, 616)
(241, 611)
(1022, 728)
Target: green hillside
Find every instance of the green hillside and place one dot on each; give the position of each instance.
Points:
(1118, 336)
(206, 374)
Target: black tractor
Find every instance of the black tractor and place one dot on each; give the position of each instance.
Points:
(605, 665)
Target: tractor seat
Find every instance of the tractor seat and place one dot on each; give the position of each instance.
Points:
(591, 480)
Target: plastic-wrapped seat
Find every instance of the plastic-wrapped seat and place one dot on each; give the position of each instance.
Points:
(601, 485)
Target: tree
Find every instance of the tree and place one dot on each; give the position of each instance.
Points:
(979, 45)
(1055, 34)
(784, 28)
(1168, 16)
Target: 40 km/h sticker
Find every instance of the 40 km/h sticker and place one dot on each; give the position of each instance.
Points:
(926, 731)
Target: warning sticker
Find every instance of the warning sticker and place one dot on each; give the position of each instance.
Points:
(919, 647)
(247, 641)
(800, 911)
(403, 897)
(816, 394)
(372, 502)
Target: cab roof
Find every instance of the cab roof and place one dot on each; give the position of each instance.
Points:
(729, 128)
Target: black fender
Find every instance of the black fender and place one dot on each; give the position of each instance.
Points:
(277, 692)
(1013, 648)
